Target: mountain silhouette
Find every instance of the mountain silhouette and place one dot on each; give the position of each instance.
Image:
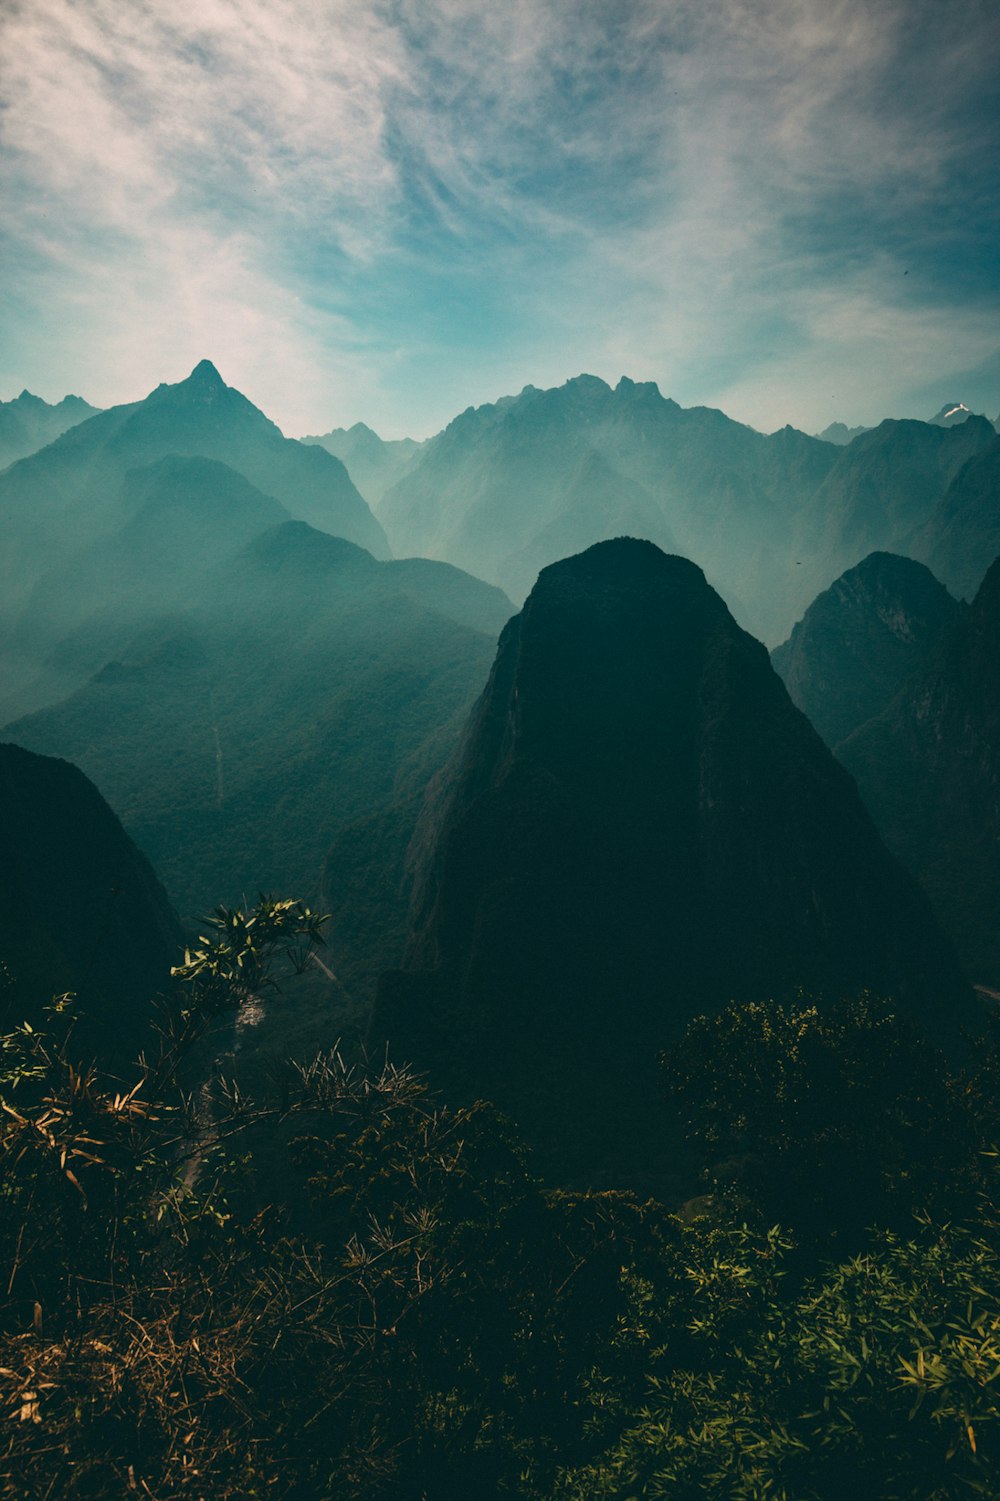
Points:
(637, 826)
(80, 908)
(929, 769)
(861, 639)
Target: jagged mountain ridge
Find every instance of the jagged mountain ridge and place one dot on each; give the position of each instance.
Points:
(373, 463)
(507, 488)
(59, 507)
(638, 825)
(841, 434)
(28, 423)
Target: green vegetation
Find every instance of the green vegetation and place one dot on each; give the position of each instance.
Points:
(422, 1318)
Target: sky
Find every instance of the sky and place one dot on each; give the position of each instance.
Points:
(391, 211)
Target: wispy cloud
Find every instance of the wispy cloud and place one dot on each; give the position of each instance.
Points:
(388, 208)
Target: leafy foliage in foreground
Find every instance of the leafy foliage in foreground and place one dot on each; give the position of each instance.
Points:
(425, 1320)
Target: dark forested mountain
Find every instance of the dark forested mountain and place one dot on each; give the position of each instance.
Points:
(236, 736)
(80, 907)
(861, 639)
(638, 825)
(962, 536)
(508, 488)
(27, 423)
(62, 506)
(373, 463)
(929, 770)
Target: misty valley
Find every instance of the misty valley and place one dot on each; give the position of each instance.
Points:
(499, 954)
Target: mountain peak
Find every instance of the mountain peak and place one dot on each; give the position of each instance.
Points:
(622, 558)
(205, 374)
(951, 414)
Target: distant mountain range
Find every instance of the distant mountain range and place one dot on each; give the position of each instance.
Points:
(951, 414)
(637, 826)
(202, 614)
(28, 423)
(280, 698)
(68, 511)
(840, 433)
(373, 463)
(507, 488)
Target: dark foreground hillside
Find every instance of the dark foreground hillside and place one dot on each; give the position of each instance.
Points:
(80, 908)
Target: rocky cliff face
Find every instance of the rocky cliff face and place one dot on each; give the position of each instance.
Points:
(638, 826)
(80, 907)
(861, 639)
(929, 769)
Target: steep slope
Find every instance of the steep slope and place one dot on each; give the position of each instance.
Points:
(73, 498)
(373, 463)
(886, 483)
(929, 770)
(80, 907)
(185, 519)
(861, 639)
(234, 739)
(507, 488)
(27, 423)
(637, 826)
(963, 534)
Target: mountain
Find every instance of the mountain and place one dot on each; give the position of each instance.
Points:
(886, 484)
(637, 826)
(952, 414)
(510, 487)
(62, 506)
(962, 535)
(187, 519)
(929, 769)
(840, 433)
(235, 736)
(373, 463)
(861, 639)
(80, 907)
(27, 423)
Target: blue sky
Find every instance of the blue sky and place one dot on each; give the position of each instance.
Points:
(390, 211)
